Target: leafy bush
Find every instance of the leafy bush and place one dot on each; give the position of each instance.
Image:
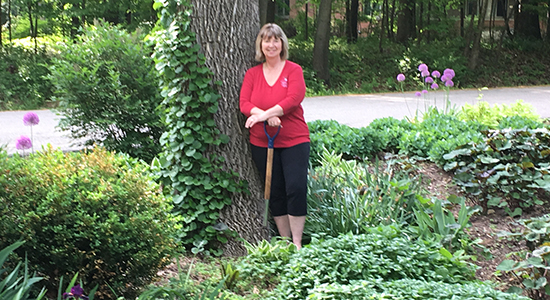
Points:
(530, 267)
(409, 289)
(506, 170)
(266, 261)
(352, 143)
(390, 131)
(383, 253)
(96, 213)
(346, 196)
(14, 286)
(23, 85)
(491, 116)
(437, 127)
(107, 91)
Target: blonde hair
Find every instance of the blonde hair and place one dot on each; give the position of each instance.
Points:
(270, 30)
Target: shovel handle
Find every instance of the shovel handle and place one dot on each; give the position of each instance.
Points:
(268, 169)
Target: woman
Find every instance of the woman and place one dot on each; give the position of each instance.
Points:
(272, 92)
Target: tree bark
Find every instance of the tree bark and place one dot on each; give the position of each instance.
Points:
(226, 32)
(476, 46)
(527, 21)
(1, 23)
(352, 11)
(405, 21)
(322, 42)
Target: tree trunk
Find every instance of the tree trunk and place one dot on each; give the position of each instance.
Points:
(29, 11)
(226, 31)
(352, 11)
(267, 11)
(527, 22)
(476, 47)
(405, 21)
(9, 19)
(322, 41)
(1, 23)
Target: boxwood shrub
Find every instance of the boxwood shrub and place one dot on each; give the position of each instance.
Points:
(96, 213)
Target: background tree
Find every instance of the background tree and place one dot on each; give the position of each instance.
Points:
(527, 24)
(405, 21)
(322, 41)
(352, 12)
(226, 32)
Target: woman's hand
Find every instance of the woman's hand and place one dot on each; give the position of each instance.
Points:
(252, 120)
(274, 122)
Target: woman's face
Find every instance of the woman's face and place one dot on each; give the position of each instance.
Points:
(271, 47)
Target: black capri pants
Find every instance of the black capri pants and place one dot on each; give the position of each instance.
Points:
(289, 178)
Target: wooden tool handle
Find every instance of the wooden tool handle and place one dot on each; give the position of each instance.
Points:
(268, 171)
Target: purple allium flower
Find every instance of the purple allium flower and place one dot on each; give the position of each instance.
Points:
(422, 67)
(450, 73)
(445, 77)
(429, 79)
(449, 83)
(30, 119)
(434, 86)
(76, 293)
(424, 91)
(425, 73)
(418, 94)
(436, 74)
(23, 143)
(400, 77)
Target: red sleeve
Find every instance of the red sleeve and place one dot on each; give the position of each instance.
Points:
(296, 90)
(246, 91)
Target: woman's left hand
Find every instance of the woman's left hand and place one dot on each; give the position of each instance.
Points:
(274, 122)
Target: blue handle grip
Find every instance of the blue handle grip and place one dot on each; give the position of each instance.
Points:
(270, 139)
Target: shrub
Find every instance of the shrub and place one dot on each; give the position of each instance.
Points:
(491, 116)
(95, 213)
(108, 91)
(23, 85)
(383, 253)
(352, 143)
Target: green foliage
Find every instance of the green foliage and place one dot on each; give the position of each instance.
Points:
(390, 131)
(492, 116)
(356, 143)
(346, 196)
(438, 128)
(179, 287)
(266, 261)
(107, 92)
(95, 213)
(17, 286)
(382, 254)
(434, 219)
(71, 285)
(409, 289)
(506, 170)
(201, 187)
(530, 267)
(22, 82)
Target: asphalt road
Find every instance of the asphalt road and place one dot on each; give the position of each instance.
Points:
(352, 110)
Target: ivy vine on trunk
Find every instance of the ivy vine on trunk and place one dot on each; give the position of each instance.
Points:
(201, 187)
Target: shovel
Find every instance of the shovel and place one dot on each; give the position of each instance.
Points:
(268, 169)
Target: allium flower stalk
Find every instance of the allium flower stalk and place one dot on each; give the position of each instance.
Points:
(31, 119)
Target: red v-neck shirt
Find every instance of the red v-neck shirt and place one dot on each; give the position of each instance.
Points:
(288, 91)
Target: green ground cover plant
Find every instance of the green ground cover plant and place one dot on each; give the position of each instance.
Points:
(97, 213)
(509, 169)
(383, 253)
(529, 267)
